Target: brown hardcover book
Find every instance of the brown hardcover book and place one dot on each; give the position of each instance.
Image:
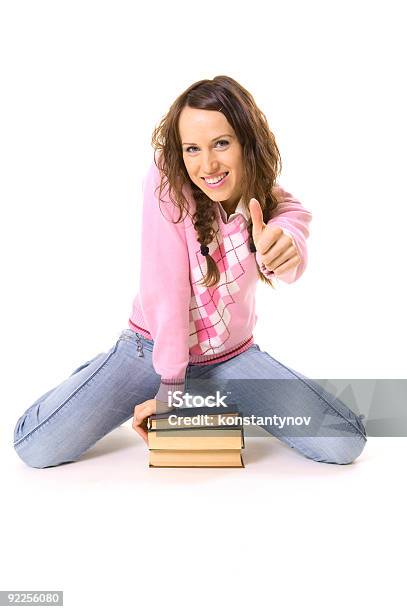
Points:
(196, 458)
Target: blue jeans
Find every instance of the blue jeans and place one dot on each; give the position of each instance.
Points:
(101, 394)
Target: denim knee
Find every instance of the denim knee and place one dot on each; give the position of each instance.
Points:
(39, 455)
(36, 457)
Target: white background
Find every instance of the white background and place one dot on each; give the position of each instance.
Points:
(83, 85)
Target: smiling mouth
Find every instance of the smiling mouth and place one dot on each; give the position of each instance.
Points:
(222, 176)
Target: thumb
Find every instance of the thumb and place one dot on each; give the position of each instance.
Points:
(256, 214)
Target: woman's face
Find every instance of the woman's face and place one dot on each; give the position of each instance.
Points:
(210, 149)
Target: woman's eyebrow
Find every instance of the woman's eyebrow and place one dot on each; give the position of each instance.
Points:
(217, 138)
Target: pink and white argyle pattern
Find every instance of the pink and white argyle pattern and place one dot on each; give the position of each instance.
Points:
(209, 316)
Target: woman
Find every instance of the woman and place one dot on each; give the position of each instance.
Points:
(214, 222)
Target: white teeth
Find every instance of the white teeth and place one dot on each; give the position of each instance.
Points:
(217, 179)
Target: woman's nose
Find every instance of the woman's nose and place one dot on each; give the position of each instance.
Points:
(209, 164)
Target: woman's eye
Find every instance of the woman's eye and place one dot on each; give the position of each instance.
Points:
(188, 149)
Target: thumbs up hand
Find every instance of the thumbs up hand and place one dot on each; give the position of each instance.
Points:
(277, 251)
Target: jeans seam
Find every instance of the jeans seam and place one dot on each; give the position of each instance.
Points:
(68, 399)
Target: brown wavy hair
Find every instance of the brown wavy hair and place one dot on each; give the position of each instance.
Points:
(261, 158)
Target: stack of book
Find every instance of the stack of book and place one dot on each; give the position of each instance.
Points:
(203, 437)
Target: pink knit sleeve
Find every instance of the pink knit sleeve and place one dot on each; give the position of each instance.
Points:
(294, 220)
(165, 290)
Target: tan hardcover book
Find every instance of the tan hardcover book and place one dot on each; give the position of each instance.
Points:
(196, 439)
(197, 458)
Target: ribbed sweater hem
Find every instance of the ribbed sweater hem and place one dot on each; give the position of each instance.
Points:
(203, 359)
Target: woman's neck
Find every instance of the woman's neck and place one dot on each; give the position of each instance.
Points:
(228, 210)
(229, 206)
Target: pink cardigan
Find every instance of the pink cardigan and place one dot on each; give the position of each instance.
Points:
(189, 323)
